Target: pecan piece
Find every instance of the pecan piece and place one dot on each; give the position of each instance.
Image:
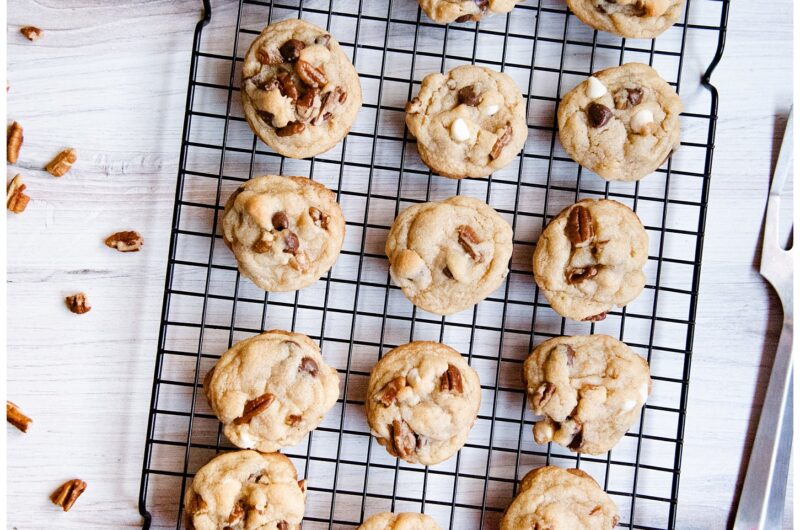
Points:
(197, 504)
(62, 163)
(580, 228)
(283, 525)
(596, 318)
(66, 494)
(467, 238)
(292, 128)
(468, 18)
(308, 106)
(579, 275)
(290, 243)
(598, 114)
(330, 100)
(468, 96)
(280, 221)
(286, 86)
(78, 304)
(577, 440)
(254, 407)
(450, 381)
(16, 417)
(127, 241)
(290, 50)
(503, 137)
(614, 521)
(320, 219)
(299, 262)
(446, 272)
(388, 393)
(269, 56)
(237, 514)
(309, 366)
(14, 142)
(292, 420)
(31, 33)
(542, 395)
(16, 200)
(310, 74)
(404, 439)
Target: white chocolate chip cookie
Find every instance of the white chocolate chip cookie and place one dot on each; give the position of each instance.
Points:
(286, 232)
(590, 390)
(622, 123)
(271, 390)
(399, 521)
(444, 11)
(422, 400)
(590, 259)
(640, 19)
(448, 256)
(469, 122)
(246, 490)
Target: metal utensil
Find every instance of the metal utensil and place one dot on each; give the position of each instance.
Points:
(764, 490)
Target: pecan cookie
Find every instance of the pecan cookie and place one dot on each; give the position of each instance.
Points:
(444, 11)
(560, 499)
(590, 259)
(286, 232)
(422, 400)
(245, 490)
(271, 390)
(622, 122)
(448, 256)
(300, 92)
(469, 122)
(637, 19)
(399, 521)
(590, 390)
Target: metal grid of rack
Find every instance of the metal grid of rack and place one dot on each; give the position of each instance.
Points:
(355, 312)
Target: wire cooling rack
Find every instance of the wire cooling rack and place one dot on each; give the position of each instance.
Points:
(355, 312)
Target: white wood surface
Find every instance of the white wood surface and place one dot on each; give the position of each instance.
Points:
(109, 79)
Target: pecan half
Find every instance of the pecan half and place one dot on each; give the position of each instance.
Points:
(16, 200)
(310, 74)
(291, 128)
(503, 137)
(127, 241)
(320, 219)
(280, 221)
(580, 228)
(14, 142)
(308, 106)
(286, 86)
(468, 96)
(292, 420)
(309, 366)
(542, 395)
(596, 318)
(290, 50)
(575, 276)
(450, 381)
(62, 163)
(389, 392)
(254, 407)
(31, 33)
(66, 494)
(16, 417)
(404, 439)
(468, 239)
(78, 304)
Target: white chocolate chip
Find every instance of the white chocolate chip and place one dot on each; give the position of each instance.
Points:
(596, 88)
(491, 110)
(413, 378)
(628, 404)
(246, 441)
(459, 130)
(642, 122)
(644, 390)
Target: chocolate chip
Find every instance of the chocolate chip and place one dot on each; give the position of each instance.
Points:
(635, 96)
(290, 242)
(468, 96)
(290, 50)
(280, 221)
(598, 114)
(309, 366)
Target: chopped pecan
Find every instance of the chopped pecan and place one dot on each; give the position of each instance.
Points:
(308, 106)
(78, 304)
(254, 407)
(286, 86)
(309, 366)
(283, 525)
(237, 514)
(579, 275)
(580, 228)
(292, 128)
(542, 395)
(290, 242)
(16, 417)
(261, 246)
(292, 419)
(280, 221)
(450, 381)
(14, 142)
(629, 97)
(310, 74)
(468, 18)
(414, 106)
(388, 393)
(404, 440)
(596, 318)
(320, 219)
(467, 238)
(468, 96)
(290, 50)
(127, 241)
(330, 100)
(299, 261)
(16, 200)
(503, 137)
(269, 56)
(31, 33)
(197, 504)
(62, 163)
(302, 485)
(66, 494)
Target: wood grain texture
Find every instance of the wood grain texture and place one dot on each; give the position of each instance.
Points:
(109, 79)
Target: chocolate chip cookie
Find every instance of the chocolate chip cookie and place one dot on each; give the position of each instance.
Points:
(399, 521)
(422, 400)
(560, 499)
(590, 259)
(448, 256)
(300, 92)
(590, 390)
(286, 232)
(271, 390)
(638, 19)
(444, 11)
(245, 490)
(469, 122)
(622, 122)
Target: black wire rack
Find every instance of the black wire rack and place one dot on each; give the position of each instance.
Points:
(355, 312)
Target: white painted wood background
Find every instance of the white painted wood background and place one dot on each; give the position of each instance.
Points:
(109, 78)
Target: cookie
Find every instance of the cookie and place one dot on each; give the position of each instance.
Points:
(399, 521)
(590, 259)
(622, 122)
(444, 11)
(560, 499)
(286, 232)
(422, 400)
(300, 92)
(636, 19)
(245, 490)
(469, 122)
(271, 390)
(590, 390)
(448, 256)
